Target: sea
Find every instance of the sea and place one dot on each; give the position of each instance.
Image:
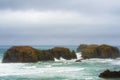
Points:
(62, 69)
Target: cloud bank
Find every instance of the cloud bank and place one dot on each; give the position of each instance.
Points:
(63, 22)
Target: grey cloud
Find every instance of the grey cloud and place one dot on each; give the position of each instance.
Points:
(60, 32)
(107, 11)
(83, 6)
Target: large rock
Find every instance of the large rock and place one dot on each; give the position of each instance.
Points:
(29, 54)
(20, 54)
(44, 55)
(83, 46)
(57, 52)
(63, 52)
(102, 51)
(110, 74)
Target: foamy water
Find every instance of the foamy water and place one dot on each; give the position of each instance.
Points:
(85, 70)
(79, 56)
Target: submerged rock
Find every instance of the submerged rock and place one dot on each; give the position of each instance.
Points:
(102, 51)
(79, 60)
(110, 74)
(28, 54)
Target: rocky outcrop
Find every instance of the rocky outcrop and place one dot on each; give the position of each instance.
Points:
(28, 54)
(83, 46)
(102, 51)
(20, 54)
(110, 74)
(44, 55)
(63, 52)
(57, 52)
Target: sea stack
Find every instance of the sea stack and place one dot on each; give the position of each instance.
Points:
(20, 54)
(99, 51)
(26, 54)
(83, 46)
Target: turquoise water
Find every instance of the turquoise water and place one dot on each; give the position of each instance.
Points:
(59, 70)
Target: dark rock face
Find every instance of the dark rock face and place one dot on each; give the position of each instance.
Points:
(102, 51)
(28, 54)
(110, 74)
(20, 54)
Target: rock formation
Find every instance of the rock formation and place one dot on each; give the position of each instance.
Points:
(63, 52)
(83, 46)
(102, 51)
(20, 54)
(28, 54)
(110, 74)
(57, 52)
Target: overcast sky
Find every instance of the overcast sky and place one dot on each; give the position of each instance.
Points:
(59, 22)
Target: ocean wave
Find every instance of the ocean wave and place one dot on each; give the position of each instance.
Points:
(79, 56)
(103, 61)
(25, 69)
(61, 59)
(116, 62)
(64, 60)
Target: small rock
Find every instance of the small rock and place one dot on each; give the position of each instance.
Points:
(110, 74)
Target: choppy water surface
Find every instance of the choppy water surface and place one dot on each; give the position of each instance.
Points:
(59, 70)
